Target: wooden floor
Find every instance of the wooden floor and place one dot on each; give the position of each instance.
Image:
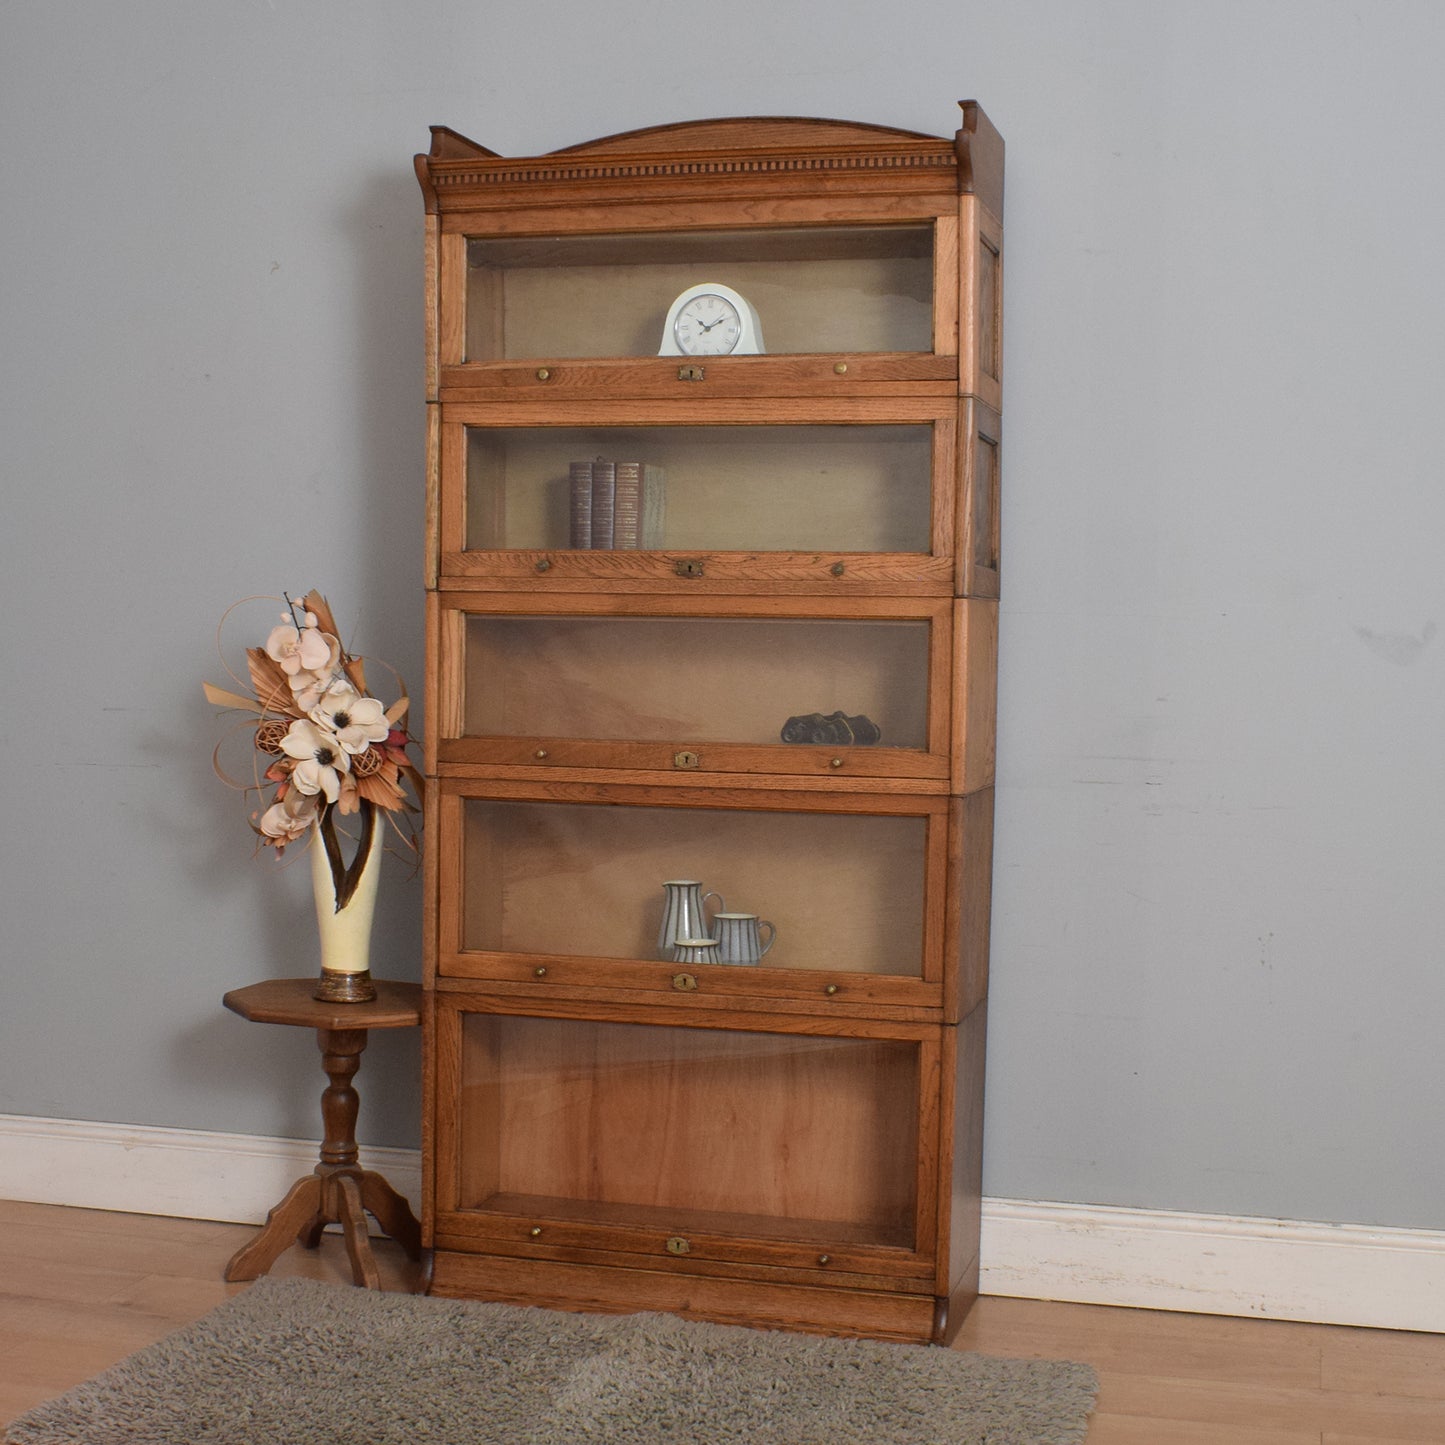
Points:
(80, 1288)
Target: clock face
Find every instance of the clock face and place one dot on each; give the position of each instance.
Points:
(708, 325)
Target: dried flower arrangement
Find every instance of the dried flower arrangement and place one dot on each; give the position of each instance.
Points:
(330, 747)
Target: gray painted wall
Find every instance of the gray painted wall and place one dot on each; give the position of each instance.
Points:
(1218, 982)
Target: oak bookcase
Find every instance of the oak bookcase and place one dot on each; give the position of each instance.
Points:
(794, 1142)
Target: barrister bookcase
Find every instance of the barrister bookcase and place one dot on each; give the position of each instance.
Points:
(713, 570)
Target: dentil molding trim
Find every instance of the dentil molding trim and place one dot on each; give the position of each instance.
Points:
(1152, 1259)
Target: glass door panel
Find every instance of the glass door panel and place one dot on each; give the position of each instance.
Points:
(648, 1127)
(699, 679)
(815, 289)
(843, 892)
(719, 488)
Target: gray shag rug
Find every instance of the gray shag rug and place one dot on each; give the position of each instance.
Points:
(315, 1364)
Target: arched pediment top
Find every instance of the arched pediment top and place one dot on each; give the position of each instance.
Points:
(757, 132)
(737, 151)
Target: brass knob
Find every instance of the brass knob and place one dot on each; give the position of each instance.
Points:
(837, 569)
(539, 973)
(825, 1259)
(543, 374)
(831, 989)
(535, 1230)
(544, 564)
(540, 754)
(835, 762)
(841, 367)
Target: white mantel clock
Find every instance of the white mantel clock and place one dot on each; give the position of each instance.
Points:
(711, 319)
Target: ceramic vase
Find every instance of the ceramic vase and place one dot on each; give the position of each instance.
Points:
(345, 932)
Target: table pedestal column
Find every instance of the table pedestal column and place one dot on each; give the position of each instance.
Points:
(338, 1191)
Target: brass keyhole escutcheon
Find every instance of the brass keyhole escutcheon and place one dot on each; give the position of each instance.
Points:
(678, 1245)
(691, 373)
(688, 567)
(684, 760)
(684, 982)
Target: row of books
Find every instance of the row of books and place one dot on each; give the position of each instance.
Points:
(616, 504)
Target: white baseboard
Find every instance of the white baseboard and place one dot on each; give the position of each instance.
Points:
(1150, 1259)
(1282, 1269)
(188, 1173)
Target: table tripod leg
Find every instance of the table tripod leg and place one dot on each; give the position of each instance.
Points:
(353, 1226)
(392, 1212)
(284, 1223)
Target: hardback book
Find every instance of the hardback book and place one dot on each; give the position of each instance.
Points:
(638, 506)
(580, 475)
(604, 493)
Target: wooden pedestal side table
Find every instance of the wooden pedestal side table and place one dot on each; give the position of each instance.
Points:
(339, 1191)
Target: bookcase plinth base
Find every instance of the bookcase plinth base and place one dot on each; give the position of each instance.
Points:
(550, 1285)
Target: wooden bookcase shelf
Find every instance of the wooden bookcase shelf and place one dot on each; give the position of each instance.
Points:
(717, 619)
(824, 289)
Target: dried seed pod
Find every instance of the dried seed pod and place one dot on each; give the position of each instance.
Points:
(364, 765)
(269, 734)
